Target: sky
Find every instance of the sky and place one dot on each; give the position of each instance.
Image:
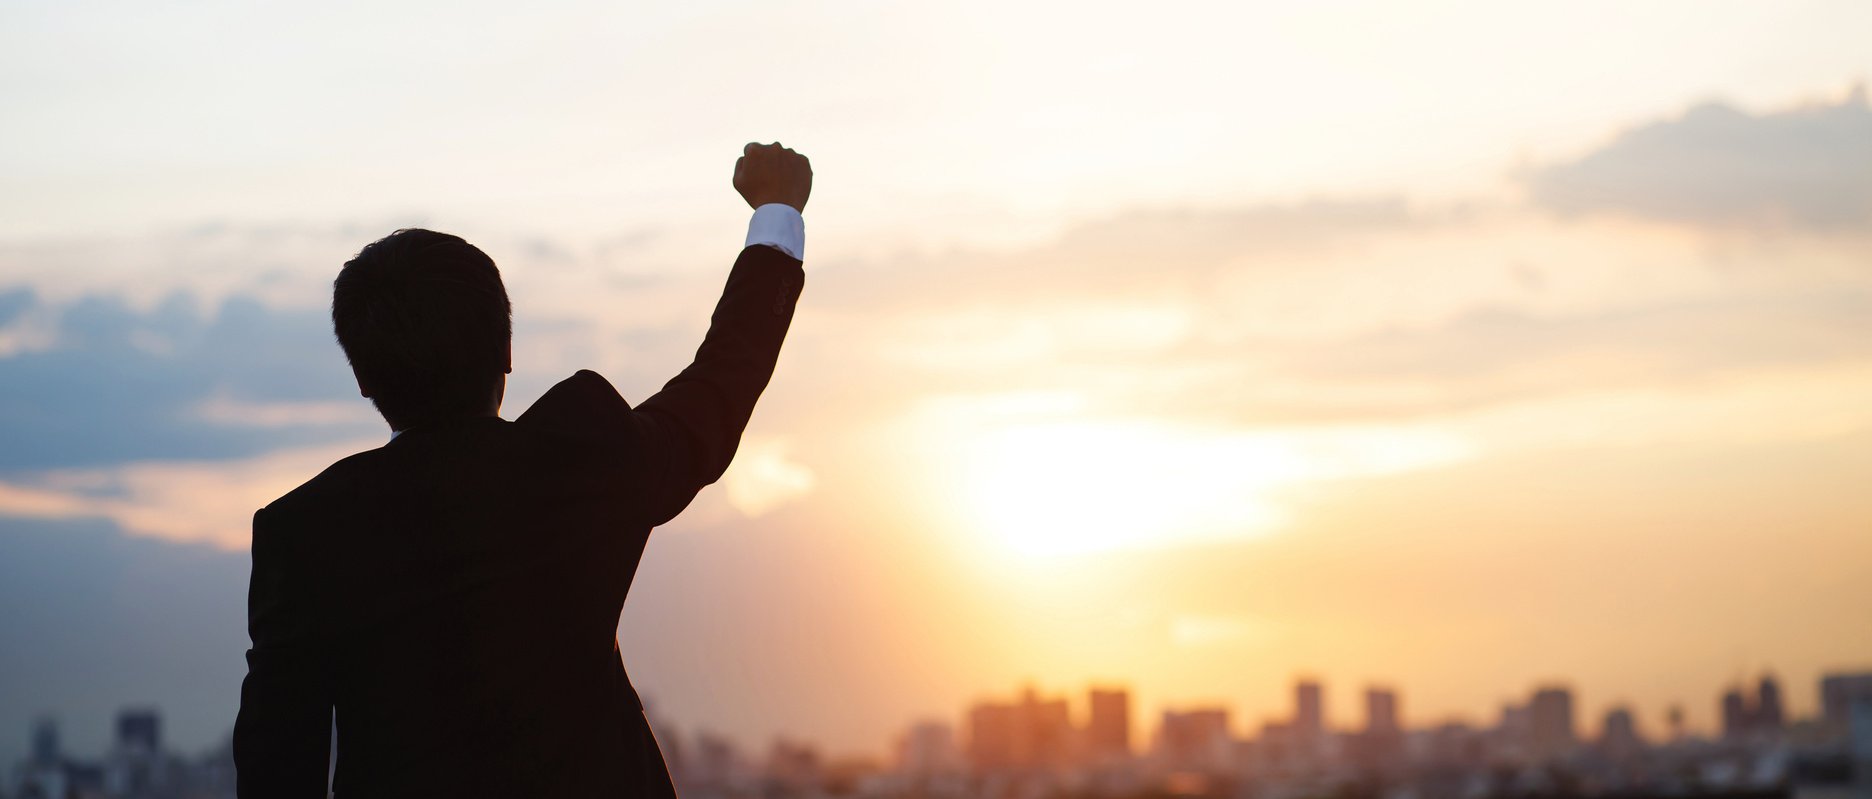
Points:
(1454, 346)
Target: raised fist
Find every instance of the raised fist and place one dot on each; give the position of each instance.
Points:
(769, 173)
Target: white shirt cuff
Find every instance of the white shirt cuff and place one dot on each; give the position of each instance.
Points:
(778, 226)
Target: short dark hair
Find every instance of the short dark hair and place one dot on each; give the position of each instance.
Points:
(425, 321)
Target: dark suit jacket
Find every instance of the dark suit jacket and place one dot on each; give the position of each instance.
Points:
(453, 595)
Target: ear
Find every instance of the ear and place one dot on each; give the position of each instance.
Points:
(509, 357)
(363, 389)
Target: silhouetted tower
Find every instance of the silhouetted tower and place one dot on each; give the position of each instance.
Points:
(1108, 730)
(1619, 737)
(1768, 714)
(1838, 693)
(1383, 740)
(994, 736)
(1550, 716)
(1735, 715)
(45, 743)
(1381, 716)
(139, 732)
(1047, 725)
(1029, 733)
(1309, 723)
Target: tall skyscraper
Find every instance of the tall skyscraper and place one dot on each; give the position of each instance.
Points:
(1047, 724)
(1108, 729)
(1031, 733)
(993, 736)
(1381, 711)
(1769, 715)
(1619, 737)
(1838, 692)
(1735, 713)
(45, 743)
(139, 732)
(1550, 717)
(1309, 712)
(1382, 742)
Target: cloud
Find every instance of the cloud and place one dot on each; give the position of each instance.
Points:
(97, 381)
(1499, 354)
(763, 478)
(205, 501)
(1717, 165)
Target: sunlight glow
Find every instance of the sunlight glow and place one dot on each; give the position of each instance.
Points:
(1076, 487)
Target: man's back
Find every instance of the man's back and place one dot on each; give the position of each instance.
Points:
(468, 577)
(452, 597)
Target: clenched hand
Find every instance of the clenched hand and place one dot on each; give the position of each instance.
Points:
(769, 173)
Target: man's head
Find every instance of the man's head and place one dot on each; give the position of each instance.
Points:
(426, 324)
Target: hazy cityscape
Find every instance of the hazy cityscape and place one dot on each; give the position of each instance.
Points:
(1210, 400)
(1095, 743)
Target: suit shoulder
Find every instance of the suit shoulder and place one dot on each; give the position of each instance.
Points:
(586, 399)
(335, 482)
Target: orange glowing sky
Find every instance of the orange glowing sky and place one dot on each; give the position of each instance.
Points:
(1191, 347)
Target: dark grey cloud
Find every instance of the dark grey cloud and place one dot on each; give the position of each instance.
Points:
(118, 383)
(1718, 165)
(95, 621)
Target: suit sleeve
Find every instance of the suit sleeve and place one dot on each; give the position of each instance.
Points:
(282, 737)
(688, 432)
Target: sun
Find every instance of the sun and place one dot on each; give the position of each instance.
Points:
(1070, 488)
(1074, 487)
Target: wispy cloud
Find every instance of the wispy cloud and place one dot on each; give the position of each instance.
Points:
(1717, 165)
(191, 501)
(764, 477)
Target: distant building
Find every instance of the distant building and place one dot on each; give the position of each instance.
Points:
(1550, 721)
(137, 765)
(1837, 694)
(1735, 713)
(793, 766)
(1108, 726)
(1196, 740)
(1033, 733)
(1769, 715)
(1761, 714)
(993, 736)
(1453, 744)
(1382, 742)
(1381, 710)
(716, 763)
(45, 743)
(927, 749)
(139, 731)
(1619, 736)
(1049, 730)
(1309, 724)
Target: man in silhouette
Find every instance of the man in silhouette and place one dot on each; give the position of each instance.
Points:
(452, 597)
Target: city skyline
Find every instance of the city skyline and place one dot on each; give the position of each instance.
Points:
(1052, 743)
(1307, 714)
(1459, 346)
